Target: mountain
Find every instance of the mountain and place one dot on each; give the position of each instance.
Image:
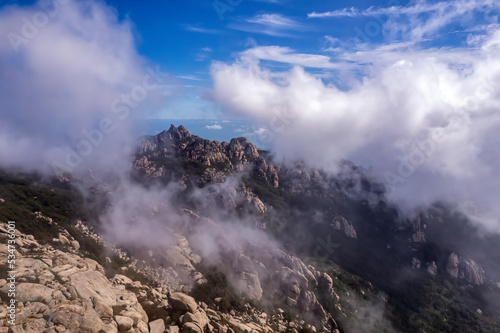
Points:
(259, 245)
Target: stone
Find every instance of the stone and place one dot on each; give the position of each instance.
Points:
(33, 292)
(103, 310)
(120, 279)
(93, 285)
(452, 265)
(132, 314)
(325, 283)
(75, 244)
(16, 329)
(64, 240)
(124, 323)
(109, 328)
(157, 326)
(191, 328)
(46, 277)
(341, 224)
(432, 269)
(143, 327)
(173, 329)
(415, 263)
(90, 322)
(70, 320)
(182, 302)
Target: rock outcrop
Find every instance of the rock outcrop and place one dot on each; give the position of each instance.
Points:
(466, 269)
(341, 224)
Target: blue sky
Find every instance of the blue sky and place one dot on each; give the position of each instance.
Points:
(186, 37)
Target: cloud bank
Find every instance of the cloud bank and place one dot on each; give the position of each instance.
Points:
(72, 82)
(424, 121)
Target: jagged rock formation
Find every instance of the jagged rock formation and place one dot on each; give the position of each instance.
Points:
(341, 224)
(179, 143)
(219, 161)
(418, 235)
(465, 269)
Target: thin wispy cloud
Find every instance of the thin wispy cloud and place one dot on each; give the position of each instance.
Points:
(202, 30)
(269, 24)
(423, 19)
(274, 20)
(189, 77)
(420, 7)
(289, 56)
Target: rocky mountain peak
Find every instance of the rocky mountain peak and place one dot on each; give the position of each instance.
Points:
(176, 133)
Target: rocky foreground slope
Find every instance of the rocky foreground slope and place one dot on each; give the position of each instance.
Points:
(59, 290)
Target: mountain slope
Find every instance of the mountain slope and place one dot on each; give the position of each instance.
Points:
(260, 245)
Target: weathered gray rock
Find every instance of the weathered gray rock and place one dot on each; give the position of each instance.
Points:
(90, 322)
(452, 265)
(112, 327)
(103, 310)
(64, 240)
(173, 329)
(94, 286)
(182, 302)
(325, 283)
(341, 224)
(466, 269)
(70, 320)
(432, 268)
(124, 323)
(157, 326)
(75, 244)
(191, 328)
(471, 272)
(33, 292)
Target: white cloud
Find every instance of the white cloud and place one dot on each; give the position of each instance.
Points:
(274, 20)
(202, 30)
(411, 96)
(269, 24)
(214, 127)
(189, 77)
(64, 81)
(418, 7)
(289, 56)
(421, 18)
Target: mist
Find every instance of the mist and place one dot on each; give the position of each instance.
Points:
(73, 86)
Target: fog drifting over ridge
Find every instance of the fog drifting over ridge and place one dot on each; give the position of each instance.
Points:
(424, 121)
(74, 84)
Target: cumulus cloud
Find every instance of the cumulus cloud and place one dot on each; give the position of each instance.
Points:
(73, 81)
(424, 121)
